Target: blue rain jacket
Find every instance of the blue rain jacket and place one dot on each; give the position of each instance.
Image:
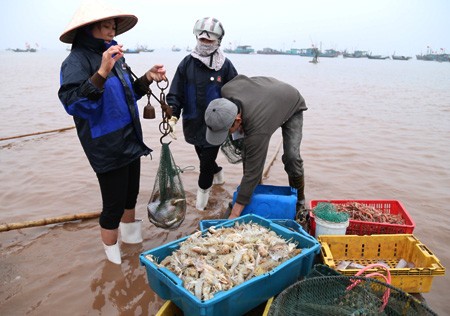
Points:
(107, 120)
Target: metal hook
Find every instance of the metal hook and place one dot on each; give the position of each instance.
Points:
(164, 129)
(163, 88)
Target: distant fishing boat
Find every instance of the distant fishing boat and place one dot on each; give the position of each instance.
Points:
(400, 57)
(175, 49)
(242, 49)
(269, 51)
(131, 51)
(308, 52)
(144, 49)
(355, 54)
(28, 49)
(434, 57)
(292, 51)
(370, 56)
(329, 53)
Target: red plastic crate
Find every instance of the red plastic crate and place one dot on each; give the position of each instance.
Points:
(368, 228)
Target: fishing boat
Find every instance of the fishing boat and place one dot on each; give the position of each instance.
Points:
(131, 51)
(434, 57)
(329, 53)
(308, 52)
(370, 56)
(144, 49)
(28, 49)
(292, 51)
(175, 49)
(400, 57)
(269, 51)
(355, 54)
(241, 49)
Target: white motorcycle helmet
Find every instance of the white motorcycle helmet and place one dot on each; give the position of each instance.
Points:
(209, 28)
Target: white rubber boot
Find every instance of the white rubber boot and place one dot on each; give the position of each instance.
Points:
(113, 253)
(131, 233)
(202, 198)
(219, 178)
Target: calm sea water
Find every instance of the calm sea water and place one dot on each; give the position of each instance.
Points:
(375, 129)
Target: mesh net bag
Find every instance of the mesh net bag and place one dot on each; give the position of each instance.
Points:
(167, 205)
(233, 149)
(328, 294)
(328, 212)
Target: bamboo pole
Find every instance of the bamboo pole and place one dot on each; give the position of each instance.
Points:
(38, 133)
(47, 221)
(266, 172)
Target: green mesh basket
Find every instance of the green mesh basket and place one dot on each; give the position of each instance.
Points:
(327, 294)
(328, 212)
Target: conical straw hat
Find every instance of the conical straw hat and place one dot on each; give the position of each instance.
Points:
(92, 11)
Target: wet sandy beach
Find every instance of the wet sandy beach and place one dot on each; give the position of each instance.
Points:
(371, 132)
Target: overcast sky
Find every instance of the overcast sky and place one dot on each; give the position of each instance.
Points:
(382, 26)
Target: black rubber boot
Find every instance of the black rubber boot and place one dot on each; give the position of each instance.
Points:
(299, 184)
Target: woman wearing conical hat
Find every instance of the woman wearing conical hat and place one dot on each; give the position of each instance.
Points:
(98, 91)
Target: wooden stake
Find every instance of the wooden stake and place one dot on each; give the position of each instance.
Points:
(266, 172)
(38, 133)
(47, 221)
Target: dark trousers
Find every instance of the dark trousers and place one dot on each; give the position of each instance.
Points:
(208, 165)
(292, 131)
(119, 188)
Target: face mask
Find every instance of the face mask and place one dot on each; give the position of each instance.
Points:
(206, 49)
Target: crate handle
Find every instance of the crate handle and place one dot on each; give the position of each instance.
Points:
(425, 249)
(326, 254)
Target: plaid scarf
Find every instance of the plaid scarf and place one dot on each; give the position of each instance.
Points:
(209, 54)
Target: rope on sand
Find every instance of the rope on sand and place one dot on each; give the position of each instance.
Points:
(266, 171)
(38, 133)
(47, 221)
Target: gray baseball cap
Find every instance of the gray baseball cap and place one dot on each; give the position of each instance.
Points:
(219, 117)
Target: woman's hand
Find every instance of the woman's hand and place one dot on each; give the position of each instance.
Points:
(109, 58)
(156, 73)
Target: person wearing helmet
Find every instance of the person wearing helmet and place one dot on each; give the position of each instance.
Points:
(197, 81)
(99, 92)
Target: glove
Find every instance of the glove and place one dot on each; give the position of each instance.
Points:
(172, 122)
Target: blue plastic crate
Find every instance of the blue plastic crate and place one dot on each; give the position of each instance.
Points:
(243, 297)
(270, 201)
